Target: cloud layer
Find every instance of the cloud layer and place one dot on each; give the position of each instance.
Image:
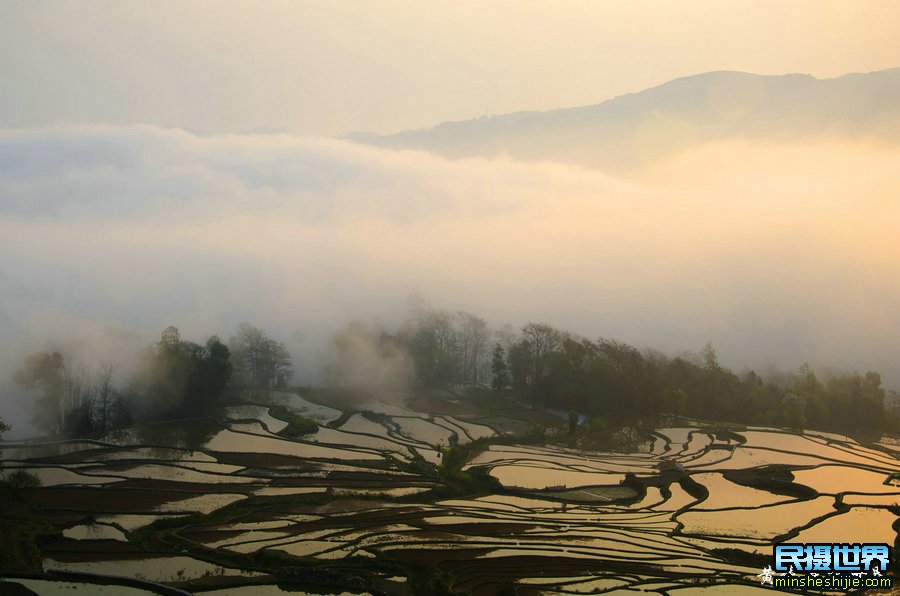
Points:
(779, 254)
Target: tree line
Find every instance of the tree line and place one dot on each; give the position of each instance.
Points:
(606, 378)
(447, 348)
(175, 378)
(549, 367)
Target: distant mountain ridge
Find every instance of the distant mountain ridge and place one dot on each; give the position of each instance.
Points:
(639, 126)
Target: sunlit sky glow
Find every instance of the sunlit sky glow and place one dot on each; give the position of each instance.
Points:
(327, 67)
(141, 184)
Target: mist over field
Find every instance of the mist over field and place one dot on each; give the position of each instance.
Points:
(643, 172)
(778, 252)
(449, 297)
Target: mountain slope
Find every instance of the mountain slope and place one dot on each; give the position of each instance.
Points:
(634, 128)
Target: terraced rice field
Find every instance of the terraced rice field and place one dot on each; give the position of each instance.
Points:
(364, 505)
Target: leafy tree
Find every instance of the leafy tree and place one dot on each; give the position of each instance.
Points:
(573, 421)
(162, 378)
(45, 373)
(180, 378)
(794, 410)
(710, 358)
(812, 391)
(520, 364)
(499, 369)
(216, 368)
(3, 428)
(677, 401)
(19, 479)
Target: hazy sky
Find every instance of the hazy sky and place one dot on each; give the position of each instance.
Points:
(330, 67)
(117, 217)
(777, 252)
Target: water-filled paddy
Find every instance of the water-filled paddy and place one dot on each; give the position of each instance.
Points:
(565, 520)
(95, 532)
(315, 412)
(539, 477)
(258, 413)
(206, 503)
(859, 525)
(761, 522)
(231, 441)
(424, 431)
(368, 441)
(58, 476)
(837, 479)
(63, 588)
(223, 475)
(162, 454)
(37, 450)
(474, 431)
(153, 568)
(723, 493)
(130, 522)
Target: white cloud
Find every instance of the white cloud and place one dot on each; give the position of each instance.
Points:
(777, 253)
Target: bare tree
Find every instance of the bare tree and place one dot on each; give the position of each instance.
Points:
(260, 363)
(442, 327)
(77, 394)
(278, 365)
(506, 337)
(541, 339)
(103, 393)
(473, 337)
